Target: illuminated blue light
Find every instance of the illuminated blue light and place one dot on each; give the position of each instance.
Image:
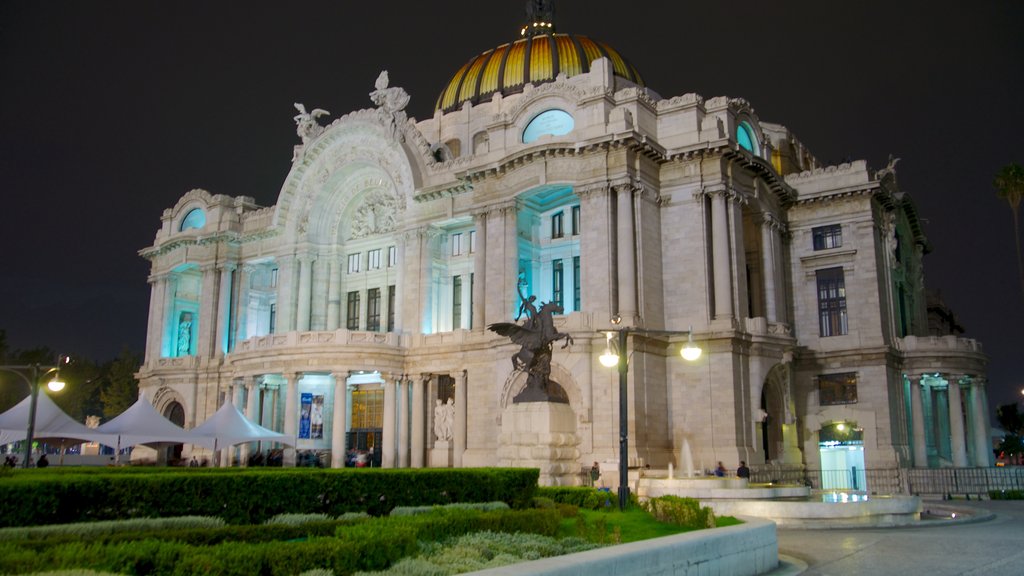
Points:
(551, 122)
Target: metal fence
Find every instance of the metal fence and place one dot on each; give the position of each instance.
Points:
(928, 481)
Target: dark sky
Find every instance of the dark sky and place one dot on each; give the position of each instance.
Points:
(110, 111)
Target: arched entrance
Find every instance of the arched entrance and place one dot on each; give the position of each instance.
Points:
(776, 425)
(175, 412)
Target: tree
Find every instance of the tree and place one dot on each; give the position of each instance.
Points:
(1010, 418)
(121, 389)
(1009, 183)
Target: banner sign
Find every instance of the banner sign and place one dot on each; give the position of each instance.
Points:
(305, 406)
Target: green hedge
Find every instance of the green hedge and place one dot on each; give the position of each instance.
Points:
(1006, 494)
(248, 496)
(582, 496)
(369, 544)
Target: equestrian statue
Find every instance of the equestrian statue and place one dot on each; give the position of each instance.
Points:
(535, 336)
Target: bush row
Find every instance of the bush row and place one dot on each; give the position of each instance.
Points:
(1006, 494)
(680, 511)
(372, 544)
(582, 496)
(251, 496)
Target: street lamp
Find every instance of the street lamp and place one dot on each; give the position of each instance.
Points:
(38, 374)
(608, 359)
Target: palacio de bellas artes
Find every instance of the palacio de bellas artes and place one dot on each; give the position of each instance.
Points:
(553, 195)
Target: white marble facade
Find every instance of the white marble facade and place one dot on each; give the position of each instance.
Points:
(360, 300)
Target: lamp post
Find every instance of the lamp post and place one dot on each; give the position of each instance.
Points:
(38, 373)
(608, 359)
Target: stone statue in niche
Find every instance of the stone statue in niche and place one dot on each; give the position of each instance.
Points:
(444, 415)
(185, 334)
(535, 336)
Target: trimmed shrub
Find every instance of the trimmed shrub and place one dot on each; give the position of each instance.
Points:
(107, 527)
(680, 511)
(1006, 494)
(581, 496)
(248, 496)
(296, 519)
(478, 506)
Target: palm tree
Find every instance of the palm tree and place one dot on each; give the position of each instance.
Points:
(1009, 183)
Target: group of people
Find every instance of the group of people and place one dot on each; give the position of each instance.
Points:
(11, 461)
(741, 472)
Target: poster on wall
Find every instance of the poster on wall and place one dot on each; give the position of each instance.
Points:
(305, 407)
(316, 417)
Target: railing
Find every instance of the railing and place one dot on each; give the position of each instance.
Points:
(929, 481)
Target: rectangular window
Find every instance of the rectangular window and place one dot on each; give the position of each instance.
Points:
(557, 226)
(832, 302)
(391, 308)
(557, 283)
(373, 259)
(353, 262)
(273, 317)
(456, 302)
(392, 256)
(373, 310)
(471, 280)
(826, 237)
(352, 316)
(273, 277)
(837, 389)
(472, 241)
(576, 283)
(456, 244)
(575, 220)
(367, 408)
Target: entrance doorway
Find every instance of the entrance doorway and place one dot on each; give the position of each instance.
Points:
(175, 412)
(841, 447)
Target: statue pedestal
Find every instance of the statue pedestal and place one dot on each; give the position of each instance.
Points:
(440, 456)
(541, 435)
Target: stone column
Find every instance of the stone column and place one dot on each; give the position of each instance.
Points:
(403, 421)
(418, 422)
(207, 328)
(720, 256)
(509, 293)
(428, 304)
(154, 331)
(597, 294)
(400, 283)
(480, 271)
(286, 294)
(338, 418)
(958, 445)
(625, 243)
(387, 435)
(305, 293)
(224, 309)
(252, 404)
(166, 341)
(241, 328)
(459, 430)
(291, 409)
(768, 262)
(982, 440)
(224, 452)
(334, 294)
(920, 447)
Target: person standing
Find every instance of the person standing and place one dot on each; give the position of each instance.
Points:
(43, 462)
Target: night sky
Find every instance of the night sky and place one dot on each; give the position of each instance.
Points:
(110, 111)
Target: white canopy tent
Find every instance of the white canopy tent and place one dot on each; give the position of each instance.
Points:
(142, 424)
(52, 425)
(228, 427)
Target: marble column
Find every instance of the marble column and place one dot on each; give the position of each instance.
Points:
(291, 409)
(338, 417)
(224, 452)
(286, 294)
(206, 330)
(509, 294)
(918, 443)
(720, 256)
(480, 271)
(596, 292)
(224, 309)
(400, 284)
(387, 435)
(334, 294)
(241, 328)
(418, 431)
(403, 421)
(305, 293)
(154, 331)
(958, 446)
(980, 433)
(625, 242)
(769, 263)
(167, 342)
(252, 404)
(459, 431)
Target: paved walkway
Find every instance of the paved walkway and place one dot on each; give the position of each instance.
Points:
(994, 546)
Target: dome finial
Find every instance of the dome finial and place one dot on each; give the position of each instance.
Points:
(540, 18)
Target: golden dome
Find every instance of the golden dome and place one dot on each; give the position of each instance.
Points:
(534, 59)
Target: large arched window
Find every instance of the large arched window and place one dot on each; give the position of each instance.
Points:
(551, 122)
(746, 137)
(196, 218)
